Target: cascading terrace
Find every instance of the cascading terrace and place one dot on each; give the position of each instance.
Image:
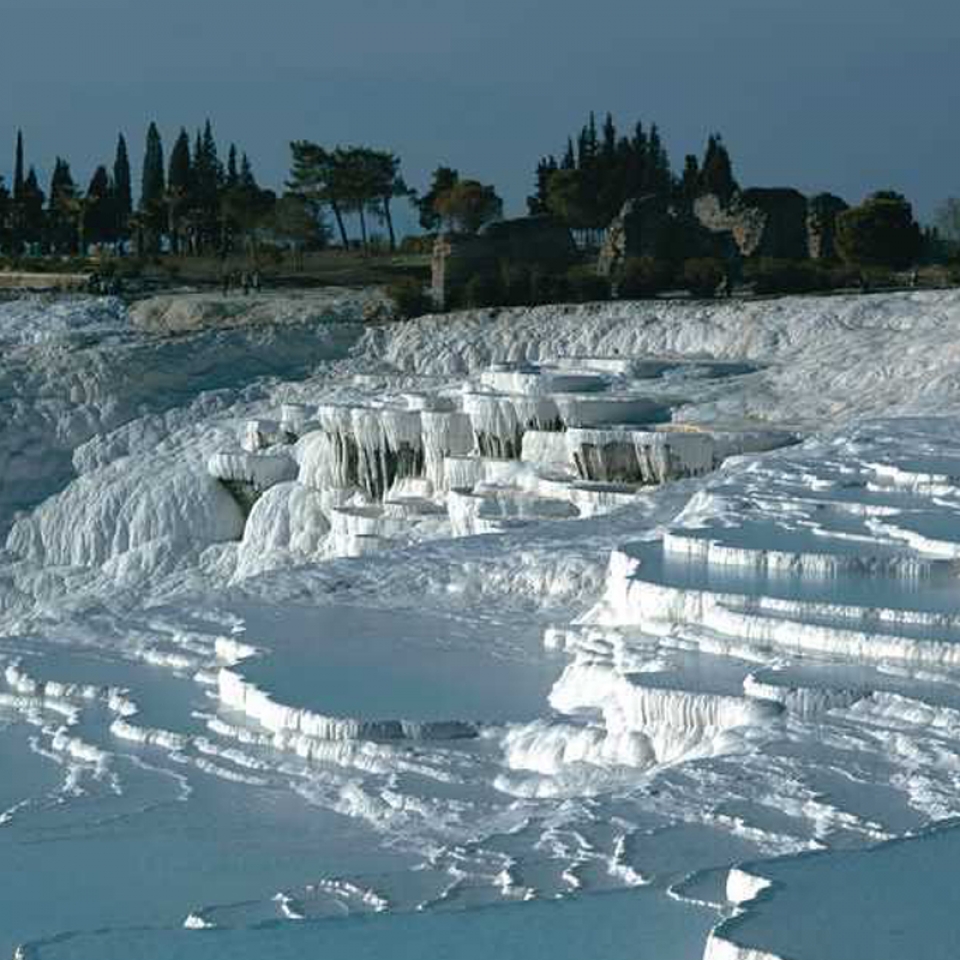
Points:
(517, 443)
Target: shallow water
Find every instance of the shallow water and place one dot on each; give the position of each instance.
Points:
(414, 665)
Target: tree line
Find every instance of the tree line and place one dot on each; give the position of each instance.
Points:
(363, 182)
(359, 181)
(602, 168)
(197, 200)
(194, 201)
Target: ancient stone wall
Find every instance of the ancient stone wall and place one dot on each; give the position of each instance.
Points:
(526, 241)
(774, 223)
(653, 227)
(822, 213)
(763, 223)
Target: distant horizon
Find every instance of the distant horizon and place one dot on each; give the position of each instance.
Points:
(818, 97)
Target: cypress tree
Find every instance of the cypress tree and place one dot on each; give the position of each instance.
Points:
(100, 187)
(609, 139)
(212, 157)
(180, 174)
(122, 186)
(152, 184)
(18, 180)
(4, 216)
(690, 180)
(152, 190)
(32, 201)
(62, 208)
(635, 175)
(62, 187)
(207, 180)
(208, 173)
(247, 179)
(100, 220)
(233, 176)
(181, 188)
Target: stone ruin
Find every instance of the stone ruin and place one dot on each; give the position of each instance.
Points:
(541, 241)
(653, 227)
(775, 223)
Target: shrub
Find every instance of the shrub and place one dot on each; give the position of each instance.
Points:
(703, 276)
(516, 283)
(643, 277)
(547, 287)
(881, 232)
(586, 285)
(484, 290)
(409, 298)
(838, 276)
(877, 278)
(787, 276)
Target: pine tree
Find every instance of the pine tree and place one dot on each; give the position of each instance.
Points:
(314, 177)
(442, 180)
(537, 203)
(659, 179)
(386, 183)
(716, 174)
(244, 207)
(599, 172)
(123, 187)
(207, 182)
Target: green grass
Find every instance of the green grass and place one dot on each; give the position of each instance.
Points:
(326, 268)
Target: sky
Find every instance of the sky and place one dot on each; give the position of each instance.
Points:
(848, 96)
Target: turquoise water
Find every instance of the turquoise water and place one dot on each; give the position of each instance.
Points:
(361, 662)
(626, 925)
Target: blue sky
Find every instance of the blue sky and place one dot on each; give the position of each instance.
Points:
(846, 95)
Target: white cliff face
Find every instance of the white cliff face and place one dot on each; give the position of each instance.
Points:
(118, 510)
